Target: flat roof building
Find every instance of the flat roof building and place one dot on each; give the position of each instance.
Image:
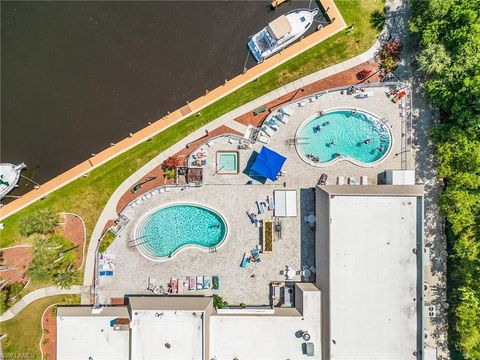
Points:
(367, 240)
(83, 334)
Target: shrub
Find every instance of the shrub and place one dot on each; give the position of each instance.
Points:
(363, 74)
(218, 302)
(106, 241)
(169, 173)
(392, 49)
(171, 163)
(389, 64)
(3, 300)
(40, 222)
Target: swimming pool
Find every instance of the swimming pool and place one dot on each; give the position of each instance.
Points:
(227, 162)
(340, 134)
(162, 233)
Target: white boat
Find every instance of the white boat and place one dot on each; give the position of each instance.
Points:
(9, 177)
(281, 32)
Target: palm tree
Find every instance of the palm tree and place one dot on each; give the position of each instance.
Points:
(40, 222)
(66, 277)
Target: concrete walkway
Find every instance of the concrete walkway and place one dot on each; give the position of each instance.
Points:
(180, 114)
(38, 294)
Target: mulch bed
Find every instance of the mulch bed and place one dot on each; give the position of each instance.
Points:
(19, 257)
(344, 78)
(49, 340)
(72, 228)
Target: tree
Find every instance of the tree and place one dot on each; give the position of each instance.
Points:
(218, 302)
(66, 277)
(40, 222)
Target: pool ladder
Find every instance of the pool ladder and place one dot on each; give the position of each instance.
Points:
(134, 243)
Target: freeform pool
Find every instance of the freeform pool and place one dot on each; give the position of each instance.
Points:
(343, 134)
(170, 228)
(227, 162)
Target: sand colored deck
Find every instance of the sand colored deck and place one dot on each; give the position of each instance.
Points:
(178, 115)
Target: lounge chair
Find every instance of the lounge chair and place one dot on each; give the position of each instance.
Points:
(271, 204)
(301, 103)
(267, 130)
(351, 180)
(162, 190)
(167, 189)
(281, 117)
(313, 99)
(192, 283)
(263, 139)
(261, 208)
(151, 283)
(252, 216)
(323, 179)
(199, 282)
(364, 180)
(206, 282)
(341, 180)
(215, 282)
(287, 111)
(256, 255)
(245, 261)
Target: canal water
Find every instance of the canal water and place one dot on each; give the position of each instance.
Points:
(77, 76)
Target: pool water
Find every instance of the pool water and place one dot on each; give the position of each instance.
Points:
(168, 229)
(227, 162)
(343, 134)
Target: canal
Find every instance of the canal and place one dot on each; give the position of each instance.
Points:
(77, 76)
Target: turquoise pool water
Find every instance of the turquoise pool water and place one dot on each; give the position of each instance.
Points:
(341, 133)
(227, 162)
(168, 229)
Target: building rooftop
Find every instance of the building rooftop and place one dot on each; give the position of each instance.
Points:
(167, 334)
(372, 276)
(267, 336)
(83, 335)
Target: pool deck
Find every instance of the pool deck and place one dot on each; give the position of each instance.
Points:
(232, 197)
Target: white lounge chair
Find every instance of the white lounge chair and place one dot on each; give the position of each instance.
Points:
(352, 181)
(263, 139)
(162, 190)
(167, 189)
(364, 180)
(287, 111)
(341, 180)
(313, 99)
(301, 103)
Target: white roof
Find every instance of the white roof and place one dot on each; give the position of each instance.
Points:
(285, 203)
(280, 27)
(267, 337)
(400, 177)
(373, 275)
(82, 337)
(153, 331)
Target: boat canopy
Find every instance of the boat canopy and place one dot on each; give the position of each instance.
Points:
(280, 27)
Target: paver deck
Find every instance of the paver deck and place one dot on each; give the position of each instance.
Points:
(232, 197)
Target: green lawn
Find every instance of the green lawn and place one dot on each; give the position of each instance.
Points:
(87, 196)
(24, 330)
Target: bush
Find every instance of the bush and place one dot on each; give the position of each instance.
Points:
(40, 222)
(169, 173)
(106, 241)
(218, 302)
(3, 300)
(171, 163)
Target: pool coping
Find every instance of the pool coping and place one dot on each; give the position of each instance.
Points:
(344, 158)
(227, 151)
(183, 247)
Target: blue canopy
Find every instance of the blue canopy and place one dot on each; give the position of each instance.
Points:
(268, 163)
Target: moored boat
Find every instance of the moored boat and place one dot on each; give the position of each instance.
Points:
(9, 177)
(281, 32)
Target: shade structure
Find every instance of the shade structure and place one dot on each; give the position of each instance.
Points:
(268, 163)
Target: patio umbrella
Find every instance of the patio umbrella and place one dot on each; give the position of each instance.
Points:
(268, 163)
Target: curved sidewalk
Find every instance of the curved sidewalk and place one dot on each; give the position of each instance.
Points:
(182, 113)
(38, 294)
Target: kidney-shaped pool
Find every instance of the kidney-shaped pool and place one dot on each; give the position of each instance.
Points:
(161, 234)
(343, 134)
